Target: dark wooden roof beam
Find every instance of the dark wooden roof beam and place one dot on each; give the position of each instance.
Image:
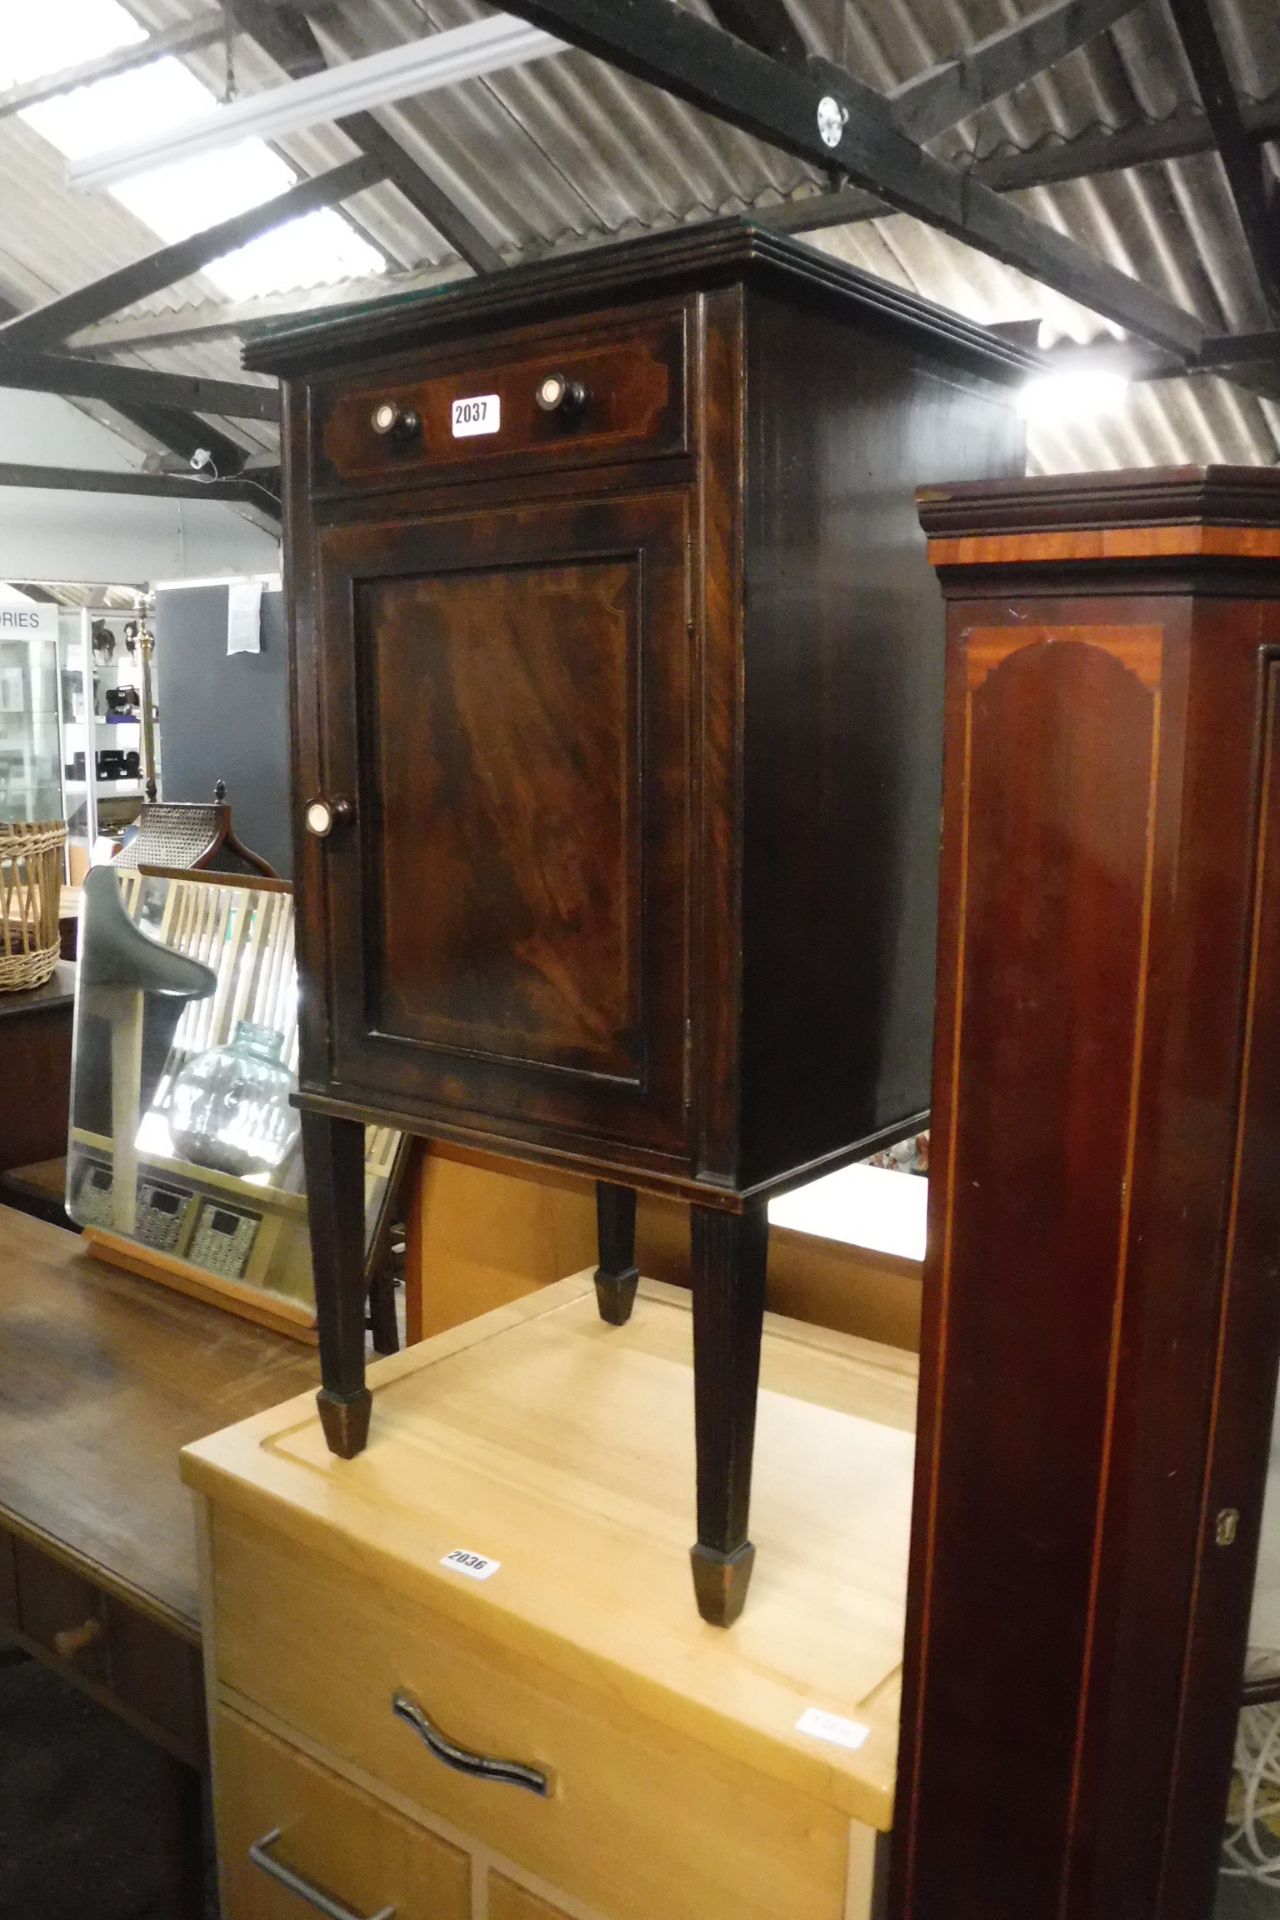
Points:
(764, 24)
(670, 47)
(1248, 175)
(57, 319)
(283, 31)
(163, 486)
(135, 386)
(422, 192)
(1102, 150)
(1003, 61)
(181, 432)
(1241, 350)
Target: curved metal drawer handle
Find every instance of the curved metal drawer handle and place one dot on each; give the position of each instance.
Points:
(314, 1897)
(480, 1766)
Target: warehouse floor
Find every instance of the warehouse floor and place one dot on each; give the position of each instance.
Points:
(88, 1808)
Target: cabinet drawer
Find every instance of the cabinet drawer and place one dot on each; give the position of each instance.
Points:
(8, 1582)
(157, 1675)
(282, 1819)
(146, 1669)
(640, 1820)
(507, 1901)
(61, 1611)
(473, 410)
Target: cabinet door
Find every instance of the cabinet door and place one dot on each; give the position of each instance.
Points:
(505, 697)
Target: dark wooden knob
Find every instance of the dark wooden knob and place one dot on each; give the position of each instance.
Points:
(557, 393)
(74, 1640)
(394, 422)
(323, 815)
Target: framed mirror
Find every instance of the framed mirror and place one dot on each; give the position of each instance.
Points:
(184, 1158)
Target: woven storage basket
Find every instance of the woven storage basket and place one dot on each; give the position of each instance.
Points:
(30, 897)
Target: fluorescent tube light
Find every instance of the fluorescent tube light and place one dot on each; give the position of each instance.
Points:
(441, 60)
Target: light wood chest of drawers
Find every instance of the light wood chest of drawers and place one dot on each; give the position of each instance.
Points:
(659, 1771)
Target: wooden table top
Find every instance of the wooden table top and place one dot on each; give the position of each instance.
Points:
(564, 1449)
(103, 1378)
(58, 991)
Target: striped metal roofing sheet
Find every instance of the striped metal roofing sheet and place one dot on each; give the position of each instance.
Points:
(567, 152)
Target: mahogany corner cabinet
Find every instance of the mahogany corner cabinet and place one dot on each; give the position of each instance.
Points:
(1101, 1313)
(617, 710)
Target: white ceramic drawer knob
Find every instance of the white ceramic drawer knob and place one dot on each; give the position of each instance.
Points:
(391, 421)
(558, 394)
(322, 816)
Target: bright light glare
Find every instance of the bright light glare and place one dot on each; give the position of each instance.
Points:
(178, 200)
(42, 39)
(1073, 394)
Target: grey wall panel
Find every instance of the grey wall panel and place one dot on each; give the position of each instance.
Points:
(225, 717)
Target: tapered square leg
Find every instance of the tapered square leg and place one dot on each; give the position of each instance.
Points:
(333, 1153)
(730, 1256)
(383, 1326)
(617, 1275)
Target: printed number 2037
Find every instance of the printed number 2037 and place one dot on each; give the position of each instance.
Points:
(481, 413)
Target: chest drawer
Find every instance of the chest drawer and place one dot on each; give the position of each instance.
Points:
(507, 1901)
(149, 1670)
(637, 1820)
(290, 1831)
(581, 397)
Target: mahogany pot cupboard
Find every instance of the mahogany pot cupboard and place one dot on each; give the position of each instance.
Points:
(1101, 1310)
(617, 717)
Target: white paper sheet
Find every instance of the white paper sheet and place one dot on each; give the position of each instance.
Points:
(244, 617)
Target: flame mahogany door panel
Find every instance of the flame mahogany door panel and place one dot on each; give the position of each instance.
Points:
(506, 697)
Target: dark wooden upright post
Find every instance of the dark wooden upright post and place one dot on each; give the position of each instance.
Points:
(730, 1256)
(333, 1152)
(617, 1275)
(1101, 1283)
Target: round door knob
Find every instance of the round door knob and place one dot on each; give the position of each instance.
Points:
(557, 393)
(74, 1640)
(394, 422)
(324, 815)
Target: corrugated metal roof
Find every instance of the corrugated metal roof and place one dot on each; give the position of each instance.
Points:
(64, 593)
(568, 152)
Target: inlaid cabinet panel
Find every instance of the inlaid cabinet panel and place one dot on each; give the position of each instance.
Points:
(497, 777)
(1099, 1342)
(495, 903)
(1054, 801)
(474, 410)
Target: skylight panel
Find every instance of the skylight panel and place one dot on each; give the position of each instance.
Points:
(40, 39)
(176, 201)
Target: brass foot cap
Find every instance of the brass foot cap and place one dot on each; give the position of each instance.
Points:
(345, 1419)
(616, 1294)
(720, 1582)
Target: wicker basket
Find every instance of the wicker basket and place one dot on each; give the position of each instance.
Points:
(30, 898)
